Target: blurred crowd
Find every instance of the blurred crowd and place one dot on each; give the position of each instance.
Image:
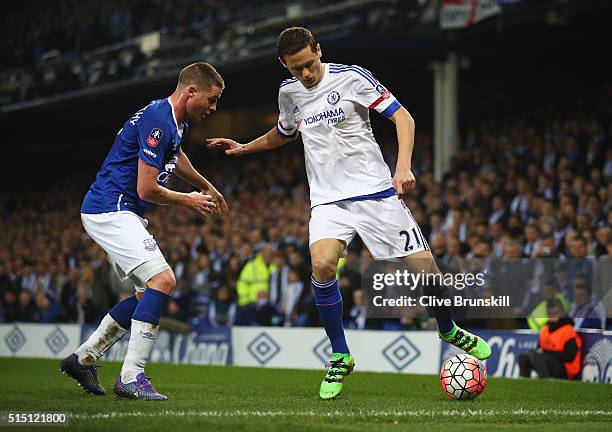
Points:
(513, 193)
(72, 27)
(61, 45)
(52, 47)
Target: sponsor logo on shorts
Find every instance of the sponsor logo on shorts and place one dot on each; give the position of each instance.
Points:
(154, 137)
(149, 244)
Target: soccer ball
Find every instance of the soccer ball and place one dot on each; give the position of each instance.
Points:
(463, 377)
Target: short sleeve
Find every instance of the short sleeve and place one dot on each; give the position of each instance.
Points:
(370, 93)
(286, 125)
(153, 139)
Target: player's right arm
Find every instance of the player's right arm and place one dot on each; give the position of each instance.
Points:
(149, 190)
(269, 141)
(286, 130)
(154, 141)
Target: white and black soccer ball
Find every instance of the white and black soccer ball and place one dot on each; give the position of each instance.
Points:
(463, 377)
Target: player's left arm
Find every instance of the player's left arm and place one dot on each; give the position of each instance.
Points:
(404, 180)
(185, 170)
(370, 93)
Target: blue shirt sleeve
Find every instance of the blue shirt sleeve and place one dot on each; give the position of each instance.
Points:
(153, 139)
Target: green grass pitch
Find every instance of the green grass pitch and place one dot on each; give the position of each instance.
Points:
(251, 399)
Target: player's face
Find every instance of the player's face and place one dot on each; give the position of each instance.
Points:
(201, 103)
(305, 65)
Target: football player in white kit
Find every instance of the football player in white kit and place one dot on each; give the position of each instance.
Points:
(351, 188)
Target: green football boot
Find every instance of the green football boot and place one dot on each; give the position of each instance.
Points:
(340, 366)
(471, 344)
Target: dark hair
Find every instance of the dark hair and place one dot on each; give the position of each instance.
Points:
(546, 235)
(293, 40)
(553, 303)
(581, 239)
(581, 282)
(552, 282)
(202, 75)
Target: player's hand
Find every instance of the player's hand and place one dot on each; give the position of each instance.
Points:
(201, 204)
(230, 146)
(404, 181)
(217, 198)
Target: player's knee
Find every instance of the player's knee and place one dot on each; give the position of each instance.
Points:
(323, 269)
(164, 282)
(422, 262)
(169, 281)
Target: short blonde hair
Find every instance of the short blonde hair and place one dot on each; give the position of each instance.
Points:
(202, 75)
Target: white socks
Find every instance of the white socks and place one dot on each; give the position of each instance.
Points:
(142, 340)
(107, 333)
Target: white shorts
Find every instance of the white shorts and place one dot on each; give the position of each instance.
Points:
(385, 225)
(131, 250)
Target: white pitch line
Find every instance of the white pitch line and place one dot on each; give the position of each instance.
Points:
(364, 413)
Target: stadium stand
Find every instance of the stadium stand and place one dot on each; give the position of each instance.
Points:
(514, 191)
(522, 184)
(51, 48)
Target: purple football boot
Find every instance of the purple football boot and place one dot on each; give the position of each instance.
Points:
(141, 389)
(86, 376)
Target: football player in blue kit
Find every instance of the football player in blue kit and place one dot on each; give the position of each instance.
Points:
(146, 152)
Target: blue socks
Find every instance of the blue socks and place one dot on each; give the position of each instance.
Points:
(149, 309)
(329, 304)
(122, 312)
(442, 314)
(151, 306)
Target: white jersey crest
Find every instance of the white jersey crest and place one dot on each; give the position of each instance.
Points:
(343, 159)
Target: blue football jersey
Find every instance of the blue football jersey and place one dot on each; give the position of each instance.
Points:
(152, 135)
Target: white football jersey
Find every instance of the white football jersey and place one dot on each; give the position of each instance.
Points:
(343, 159)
